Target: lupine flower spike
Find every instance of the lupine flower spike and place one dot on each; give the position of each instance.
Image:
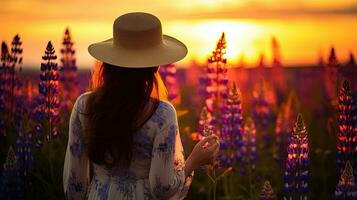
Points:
(331, 77)
(346, 188)
(231, 129)
(262, 113)
(168, 74)
(5, 63)
(351, 61)
(347, 125)
(249, 149)
(216, 79)
(19, 105)
(204, 123)
(11, 62)
(276, 52)
(280, 133)
(277, 72)
(10, 187)
(16, 64)
(283, 129)
(296, 171)
(68, 70)
(205, 119)
(25, 158)
(267, 192)
(47, 113)
(207, 131)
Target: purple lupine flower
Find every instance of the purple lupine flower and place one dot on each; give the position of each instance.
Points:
(276, 53)
(321, 62)
(296, 171)
(25, 157)
(10, 186)
(204, 127)
(262, 113)
(16, 65)
(283, 130)
(18, 99)
(267, 192)
(5, 63)
(16, 52)
(68, 72)
(277, 72)
(10, 94)
(204, 123)
(351, 61)
(261, 68)
(249, 148)
(346, 189)
(215, 80)
(205, 119)
(280, 132)
(331, 87)
(347, 124)
(168, 74)
(47, 113)
(231, 129)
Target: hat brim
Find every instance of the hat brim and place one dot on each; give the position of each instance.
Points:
(170, 51)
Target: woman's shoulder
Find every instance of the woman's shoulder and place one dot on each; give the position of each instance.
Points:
(167, 107)
(164, 114)
(81, 101)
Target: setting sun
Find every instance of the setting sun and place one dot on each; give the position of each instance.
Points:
(240, 37)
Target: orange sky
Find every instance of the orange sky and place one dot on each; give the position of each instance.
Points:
(304, 28)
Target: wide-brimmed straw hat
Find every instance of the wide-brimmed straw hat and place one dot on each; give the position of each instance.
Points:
(138, 42)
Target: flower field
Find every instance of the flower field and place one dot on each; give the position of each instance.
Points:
(286, 132)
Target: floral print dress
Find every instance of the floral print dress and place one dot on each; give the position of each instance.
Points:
(156, 170)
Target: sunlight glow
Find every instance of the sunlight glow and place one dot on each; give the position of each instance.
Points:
(240, 36)
(245, 39)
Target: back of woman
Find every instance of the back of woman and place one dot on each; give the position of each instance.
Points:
(155, 158)
(124, 129)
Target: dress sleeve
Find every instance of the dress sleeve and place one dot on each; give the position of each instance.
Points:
(167, 175)
(76, 166)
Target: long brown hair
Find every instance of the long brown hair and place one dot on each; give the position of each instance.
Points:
(121, 102)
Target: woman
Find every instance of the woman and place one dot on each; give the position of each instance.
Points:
(124, 127)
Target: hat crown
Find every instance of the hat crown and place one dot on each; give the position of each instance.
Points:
(137, 30)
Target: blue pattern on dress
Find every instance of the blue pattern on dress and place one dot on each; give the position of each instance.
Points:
(76, 148)
(74, 185)
(166, 149)
(76, 126)
(160, 190)
(159, 117)
(103, 189)
(142, 145)
(125, 181)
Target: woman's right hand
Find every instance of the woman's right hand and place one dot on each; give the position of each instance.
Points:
(204, 153)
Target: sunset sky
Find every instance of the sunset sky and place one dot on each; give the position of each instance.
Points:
(305, 29)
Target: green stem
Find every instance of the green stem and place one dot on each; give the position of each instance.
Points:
(226, 187)
(214, 184)
(250, 182)
(324, 175)
(50, 162)
(230, 185)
